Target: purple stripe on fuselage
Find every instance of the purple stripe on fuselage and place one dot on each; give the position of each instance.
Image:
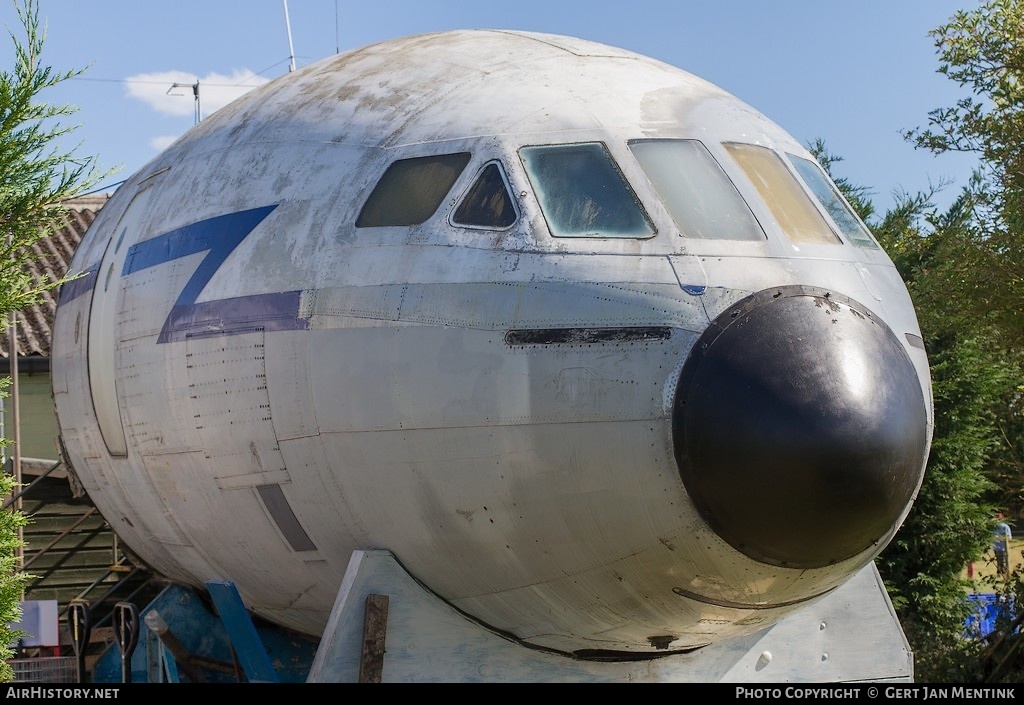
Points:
(70, 290)
(243, 314)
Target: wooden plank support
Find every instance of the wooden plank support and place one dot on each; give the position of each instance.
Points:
(375, 627)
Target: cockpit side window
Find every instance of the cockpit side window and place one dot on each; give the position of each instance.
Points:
(582, 192)
(701, 199)
(411, 190)
(488, 203)
(832, 201)
(790, 205)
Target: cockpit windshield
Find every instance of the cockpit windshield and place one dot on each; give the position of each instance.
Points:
(582, 193)
(699, 196)
(830, 199)
(788, 202)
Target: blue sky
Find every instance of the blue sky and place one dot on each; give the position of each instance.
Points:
(854, 74)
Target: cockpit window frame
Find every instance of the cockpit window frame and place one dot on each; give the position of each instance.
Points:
(386, 206)
(851, 227)
(552, 205)
(469, 191)
(685, 202)
(796, 211)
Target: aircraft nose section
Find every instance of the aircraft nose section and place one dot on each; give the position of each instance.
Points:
(800, 427)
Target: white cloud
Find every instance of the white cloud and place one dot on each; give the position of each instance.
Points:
(158, 90)
(162, 142)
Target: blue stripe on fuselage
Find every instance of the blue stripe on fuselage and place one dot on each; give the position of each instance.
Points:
(218, 237)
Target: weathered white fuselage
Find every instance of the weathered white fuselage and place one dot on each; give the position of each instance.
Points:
(250, 387)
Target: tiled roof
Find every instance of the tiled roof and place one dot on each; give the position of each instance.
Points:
(52, 258)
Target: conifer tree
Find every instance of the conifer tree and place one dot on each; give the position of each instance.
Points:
(38, 176)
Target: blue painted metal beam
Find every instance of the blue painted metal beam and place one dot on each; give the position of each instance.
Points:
(244, 638)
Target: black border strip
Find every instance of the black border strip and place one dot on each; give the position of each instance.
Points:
(586, 336)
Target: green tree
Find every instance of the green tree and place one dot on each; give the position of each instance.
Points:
(983, 51)
(981, 278)
(12, 578)
(949, 525)
(968, 274)
(38, 175)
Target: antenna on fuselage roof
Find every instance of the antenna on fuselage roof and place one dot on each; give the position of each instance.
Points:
(291, 49)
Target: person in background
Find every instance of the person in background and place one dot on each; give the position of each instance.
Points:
(1001, 546)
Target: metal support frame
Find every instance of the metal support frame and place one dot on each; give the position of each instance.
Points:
(245, 641)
